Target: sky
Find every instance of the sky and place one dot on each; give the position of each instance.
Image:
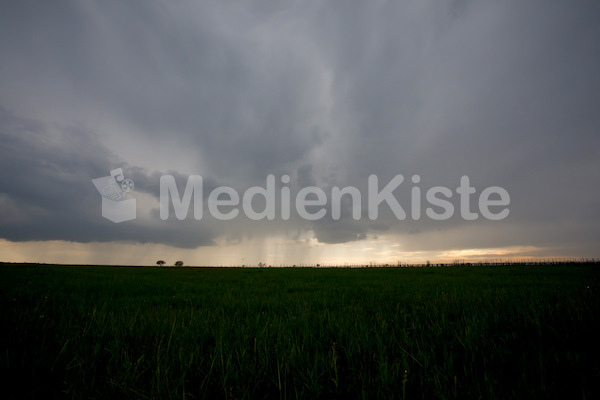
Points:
(326, 93)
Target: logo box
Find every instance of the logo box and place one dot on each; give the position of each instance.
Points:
(117, 205)
(118, 210)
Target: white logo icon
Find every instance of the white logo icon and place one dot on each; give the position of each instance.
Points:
(117, 205)
(127, 185)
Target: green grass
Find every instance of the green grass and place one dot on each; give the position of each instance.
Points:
(150, 333)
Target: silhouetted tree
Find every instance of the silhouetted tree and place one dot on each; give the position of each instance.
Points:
(160, 263)
(179, 263)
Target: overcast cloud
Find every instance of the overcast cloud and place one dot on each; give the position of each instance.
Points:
(325, 92)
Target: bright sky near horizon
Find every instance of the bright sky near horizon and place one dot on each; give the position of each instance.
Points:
(325, 93)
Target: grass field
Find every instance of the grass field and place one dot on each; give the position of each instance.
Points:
(164, 333)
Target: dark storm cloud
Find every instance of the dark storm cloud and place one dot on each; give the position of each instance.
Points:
(47, 194)
(326, 92)
(243, 106)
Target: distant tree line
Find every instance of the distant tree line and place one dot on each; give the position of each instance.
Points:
(161, 263)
